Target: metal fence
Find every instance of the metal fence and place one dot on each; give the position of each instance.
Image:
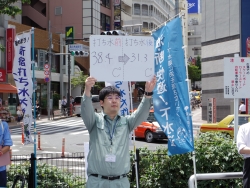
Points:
(53, 171)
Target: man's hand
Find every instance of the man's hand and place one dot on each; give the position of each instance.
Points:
(89, 82)
(150, 85)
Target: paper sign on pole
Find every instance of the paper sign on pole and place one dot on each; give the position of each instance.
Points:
(236, 77)
(124, 58)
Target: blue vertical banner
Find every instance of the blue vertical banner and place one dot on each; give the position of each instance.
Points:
(171, 100)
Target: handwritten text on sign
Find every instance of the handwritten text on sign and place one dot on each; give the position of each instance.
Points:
(236, 77)
(124, 58)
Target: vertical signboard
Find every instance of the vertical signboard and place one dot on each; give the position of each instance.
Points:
(69, 34)
(10, 34)
(2, 75)
(211, 111)
(117, 14)
(236, 77)
(248, 46)
(214, 110)
(22, 76)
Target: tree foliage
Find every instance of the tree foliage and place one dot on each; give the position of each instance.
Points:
(194, 73)
(214, 153)
(80, 78)
(198, 62)
(7, 7)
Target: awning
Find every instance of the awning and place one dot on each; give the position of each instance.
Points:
(7, 88)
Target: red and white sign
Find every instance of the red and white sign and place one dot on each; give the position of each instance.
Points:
(2, 75)
(10, 37)
(211, 111)
(46, 72)
(248, 46)
(117, 2)
(236, 77)
(46, 66)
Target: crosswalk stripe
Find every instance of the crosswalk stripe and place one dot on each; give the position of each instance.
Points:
(85, 132)
(51, 130)
(61, 123)
(54, 127)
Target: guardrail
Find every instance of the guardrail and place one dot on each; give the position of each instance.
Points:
(212, 176)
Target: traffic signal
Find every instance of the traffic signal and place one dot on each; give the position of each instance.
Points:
(114, 32)
(79, 53)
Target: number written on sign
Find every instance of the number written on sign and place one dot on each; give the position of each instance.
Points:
(100, 57)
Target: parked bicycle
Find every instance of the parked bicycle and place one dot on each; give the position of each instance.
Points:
(64, 110)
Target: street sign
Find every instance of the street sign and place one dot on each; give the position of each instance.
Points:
(46, 79)
(236, 77)
(46, 72)
(69, 34)
(75, 47)
(123, 58)
(46, 66)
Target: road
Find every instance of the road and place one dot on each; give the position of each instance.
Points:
(75, 134)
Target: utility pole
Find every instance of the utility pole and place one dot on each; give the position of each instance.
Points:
(49, 83)
(68, 96)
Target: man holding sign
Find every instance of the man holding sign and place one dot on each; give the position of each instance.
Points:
(108, 158)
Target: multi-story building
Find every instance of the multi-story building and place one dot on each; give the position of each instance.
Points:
(7, 91)
(194, 36)
(86, 16)
(225, 30)
(149, 14)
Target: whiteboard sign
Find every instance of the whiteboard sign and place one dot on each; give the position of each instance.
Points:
(124, 58)
(236, 77)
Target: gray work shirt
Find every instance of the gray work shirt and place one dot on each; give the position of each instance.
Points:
(99, 126)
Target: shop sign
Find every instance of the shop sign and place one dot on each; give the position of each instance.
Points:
(10, 36)
(2, 75)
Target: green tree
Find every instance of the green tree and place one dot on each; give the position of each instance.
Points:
(198, 62)
(7, 7)
(80, 78)
(194, 73)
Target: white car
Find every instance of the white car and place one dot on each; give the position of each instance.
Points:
(95, 102)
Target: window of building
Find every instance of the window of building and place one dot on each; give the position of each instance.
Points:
(105, 3)
(137, 9)
(145, 10)
(105, 22)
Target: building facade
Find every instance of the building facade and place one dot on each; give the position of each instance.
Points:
(225, 30)
(148, 14)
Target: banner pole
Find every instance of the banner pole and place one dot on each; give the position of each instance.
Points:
(184, 33)
(132, 109)
(34, 100)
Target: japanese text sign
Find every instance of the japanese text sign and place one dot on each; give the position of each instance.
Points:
(124, 58)
(171, 99)
(236, 77)
(22, 75)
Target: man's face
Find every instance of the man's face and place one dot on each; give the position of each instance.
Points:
(111, 104)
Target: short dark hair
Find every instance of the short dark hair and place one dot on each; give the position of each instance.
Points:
(108, 90)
